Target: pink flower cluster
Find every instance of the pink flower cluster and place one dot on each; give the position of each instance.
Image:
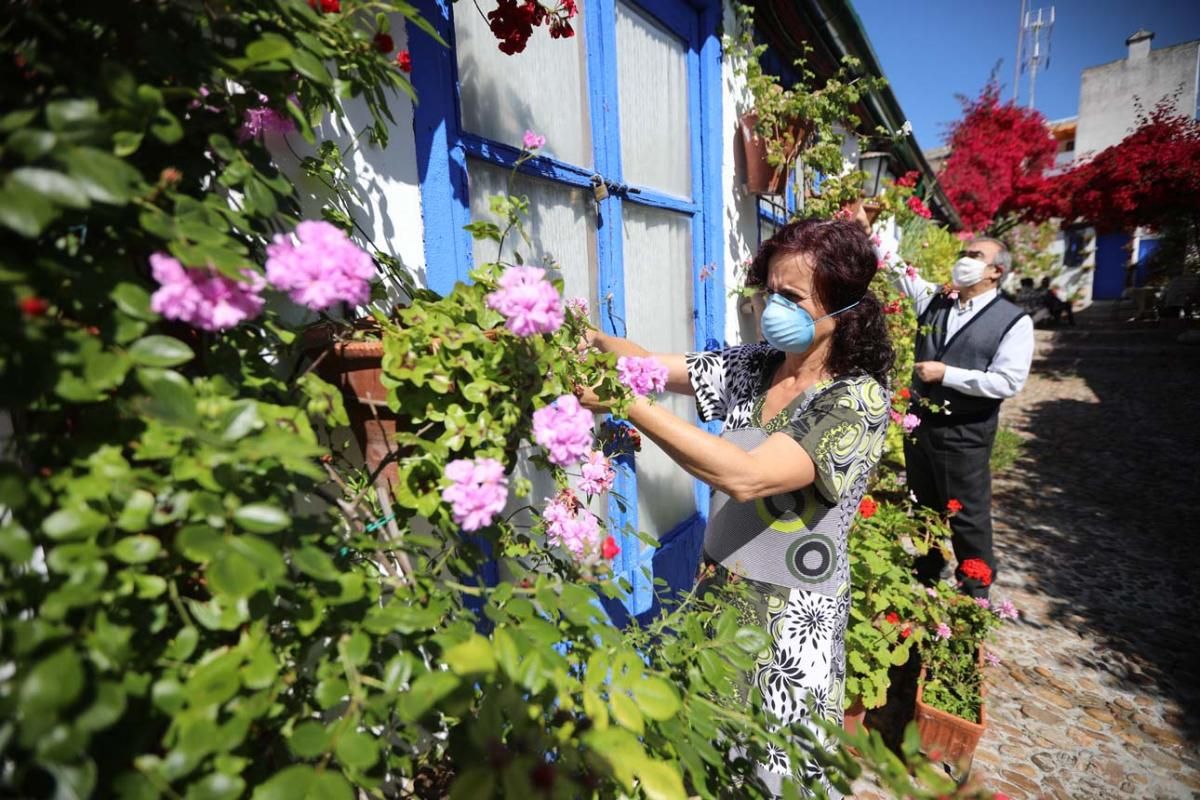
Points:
(320, 266)
(643, 375)
(909, 422)
(533, 141)
(597, 474)
(478, 492)
(203, 298)
(1007, 610)
(943, 631)
(579, 305)
(263, 119)
(529, 302)
(571, 527)
(564, 428)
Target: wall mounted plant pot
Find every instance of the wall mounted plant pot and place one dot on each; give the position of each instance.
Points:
(953, 738)
(870, 208)
(761, 176)
(355, 367)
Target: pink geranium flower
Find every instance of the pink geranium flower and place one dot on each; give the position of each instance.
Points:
(597, 474)
(533, 141)
(564, 428)
(1007, 610)
(579, 305)
(643, 375)
(529, 303)
(263, 119)
(943, 631)
(318, 266)
(203, 298)
(571, 527)
(910, 422)
(477, 493)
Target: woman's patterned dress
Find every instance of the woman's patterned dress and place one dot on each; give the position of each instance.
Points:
(791, 550)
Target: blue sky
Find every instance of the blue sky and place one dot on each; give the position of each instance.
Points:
(932, 50)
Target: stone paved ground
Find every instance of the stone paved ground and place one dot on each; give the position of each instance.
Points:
(1098, 540)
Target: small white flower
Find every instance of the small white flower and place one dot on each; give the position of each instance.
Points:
(906, 129)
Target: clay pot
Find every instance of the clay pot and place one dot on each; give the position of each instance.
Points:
(954, 738)
(355, 368)
(853, 717)
(761, 177)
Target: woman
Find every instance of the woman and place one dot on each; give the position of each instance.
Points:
(804, 422)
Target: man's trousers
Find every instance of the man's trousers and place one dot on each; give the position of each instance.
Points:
(951, 462)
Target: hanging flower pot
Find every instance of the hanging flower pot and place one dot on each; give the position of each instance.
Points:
(870, 208)
(761, 176)
(952, 738)
(355, 367)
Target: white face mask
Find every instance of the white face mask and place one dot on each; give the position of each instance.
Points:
(967, 272)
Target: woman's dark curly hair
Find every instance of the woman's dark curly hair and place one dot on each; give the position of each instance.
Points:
(844, 262)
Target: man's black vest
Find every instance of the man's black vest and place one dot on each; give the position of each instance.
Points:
(973, 346)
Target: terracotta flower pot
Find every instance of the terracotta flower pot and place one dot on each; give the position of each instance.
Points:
(852, 720)
(954, 738)
(355, 368)
(761, 176)
(870, 208)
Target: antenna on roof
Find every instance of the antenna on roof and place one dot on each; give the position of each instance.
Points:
(1035, 26)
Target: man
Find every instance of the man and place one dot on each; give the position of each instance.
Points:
(1053, 305)
(973, 350)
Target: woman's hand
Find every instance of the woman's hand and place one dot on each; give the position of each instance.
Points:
(591, 338)
(590, 400)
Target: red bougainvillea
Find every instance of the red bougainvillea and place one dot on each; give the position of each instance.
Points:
(1151, 178)
(999, 152)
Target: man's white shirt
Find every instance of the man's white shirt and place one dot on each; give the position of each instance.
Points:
(1007, 373)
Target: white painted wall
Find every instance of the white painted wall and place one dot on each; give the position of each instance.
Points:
(1107, 93)
(387, 187)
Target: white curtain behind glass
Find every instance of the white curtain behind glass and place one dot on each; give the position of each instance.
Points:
(561, 225)
(658, 307)
(543, 89)
(652, 85)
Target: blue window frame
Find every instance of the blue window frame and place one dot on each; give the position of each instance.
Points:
(444, 147)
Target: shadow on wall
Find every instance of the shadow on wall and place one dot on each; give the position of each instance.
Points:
(1102, 497)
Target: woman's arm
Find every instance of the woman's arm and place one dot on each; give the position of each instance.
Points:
(776, 466)
(677, 374)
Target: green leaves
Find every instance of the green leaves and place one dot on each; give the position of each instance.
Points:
(73, 523)
(471, 657)
(160, 351)
(53, 683)
(261, 518)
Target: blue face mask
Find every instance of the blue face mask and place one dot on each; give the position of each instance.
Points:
(788, 327)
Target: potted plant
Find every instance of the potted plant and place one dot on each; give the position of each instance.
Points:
(950, 710)
(802, 122)
(888, 611)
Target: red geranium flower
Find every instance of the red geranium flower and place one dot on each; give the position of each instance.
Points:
(867, 508)
(327, 6)
(976, 569)
(610, 548)
(33, 306)
(892, 307)
(384, 42)
(918, 207)
(954, 506)
(893, 618)
(905, 393)
(404, 61)
(909, 179)
(906, 631)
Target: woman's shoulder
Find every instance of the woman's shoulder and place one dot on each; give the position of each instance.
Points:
(860, 393)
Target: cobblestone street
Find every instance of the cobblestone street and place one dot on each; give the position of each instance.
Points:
(1098, 691)
(1098, 694)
